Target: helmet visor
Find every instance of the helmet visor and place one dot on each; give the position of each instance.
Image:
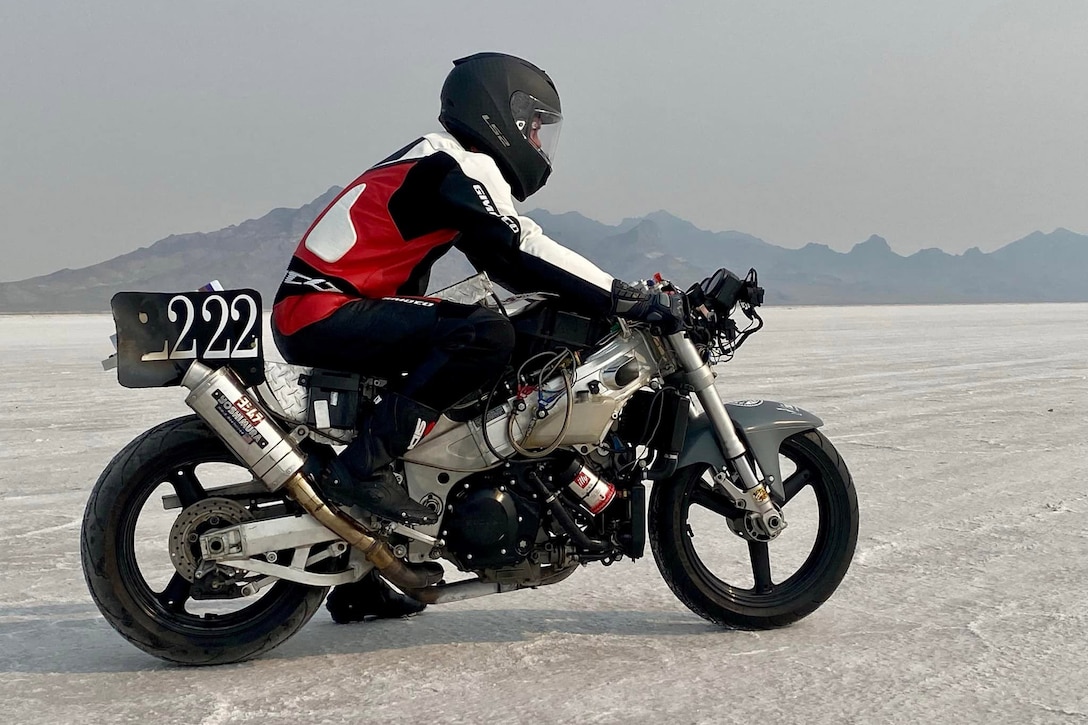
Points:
(537, 122)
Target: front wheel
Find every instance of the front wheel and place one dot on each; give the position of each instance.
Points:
(138, 558)
(757, 585)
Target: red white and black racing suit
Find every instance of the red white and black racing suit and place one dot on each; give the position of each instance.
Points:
(353, 299)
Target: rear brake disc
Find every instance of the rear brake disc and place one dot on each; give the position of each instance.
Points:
(196, 520)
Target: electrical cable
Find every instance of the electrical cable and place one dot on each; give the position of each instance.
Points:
(568, 389)
(483, 423)
(659, 396)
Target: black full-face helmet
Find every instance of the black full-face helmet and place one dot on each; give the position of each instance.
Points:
(509, 109)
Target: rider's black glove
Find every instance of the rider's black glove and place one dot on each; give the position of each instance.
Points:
(658, 308)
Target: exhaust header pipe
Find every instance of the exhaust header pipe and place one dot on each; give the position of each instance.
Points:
(238, 418)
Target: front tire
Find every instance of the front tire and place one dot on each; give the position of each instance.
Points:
(164, 620)
(728, 580)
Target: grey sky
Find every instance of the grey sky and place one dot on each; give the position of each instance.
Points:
(947, 124)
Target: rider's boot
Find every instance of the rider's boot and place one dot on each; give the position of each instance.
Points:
(369, 597)
(361, 476)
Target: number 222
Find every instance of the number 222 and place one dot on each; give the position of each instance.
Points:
(233, 311)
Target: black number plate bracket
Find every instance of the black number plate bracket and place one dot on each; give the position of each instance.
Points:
(159, 334)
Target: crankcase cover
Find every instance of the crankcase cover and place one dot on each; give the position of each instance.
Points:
(490, 527)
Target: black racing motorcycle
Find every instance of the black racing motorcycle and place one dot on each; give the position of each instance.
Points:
(206, 540)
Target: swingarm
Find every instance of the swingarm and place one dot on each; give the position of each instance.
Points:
(240, 546)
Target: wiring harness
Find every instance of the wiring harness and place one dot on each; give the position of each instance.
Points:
(533, 379)
(712, 302)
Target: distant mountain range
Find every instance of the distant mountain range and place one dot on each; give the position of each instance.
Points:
(1038, 268)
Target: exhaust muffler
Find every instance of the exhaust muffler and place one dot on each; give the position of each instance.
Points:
(219, 398)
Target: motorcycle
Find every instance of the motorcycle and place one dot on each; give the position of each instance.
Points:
(207, 541)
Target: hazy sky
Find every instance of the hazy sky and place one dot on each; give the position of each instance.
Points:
(950, 124)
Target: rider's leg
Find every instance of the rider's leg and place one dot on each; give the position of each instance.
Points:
(446, 349)
(359, 475)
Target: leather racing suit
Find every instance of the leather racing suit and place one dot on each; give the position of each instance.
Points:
(352, 298)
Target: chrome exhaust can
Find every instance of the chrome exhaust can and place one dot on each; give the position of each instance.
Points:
(219, 397)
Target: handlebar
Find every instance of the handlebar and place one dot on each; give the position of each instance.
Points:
(708, 309)
(712, 303)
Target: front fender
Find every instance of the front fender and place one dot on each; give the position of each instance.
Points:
(761, 424)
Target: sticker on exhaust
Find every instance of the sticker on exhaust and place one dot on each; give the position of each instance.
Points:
(242, 415)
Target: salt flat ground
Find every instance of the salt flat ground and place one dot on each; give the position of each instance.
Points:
(965, 428)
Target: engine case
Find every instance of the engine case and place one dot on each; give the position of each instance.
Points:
(488, 524)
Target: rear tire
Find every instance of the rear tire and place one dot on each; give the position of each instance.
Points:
(158, 621)
(759, 602)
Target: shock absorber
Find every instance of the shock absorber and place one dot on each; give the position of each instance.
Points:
(765, 519)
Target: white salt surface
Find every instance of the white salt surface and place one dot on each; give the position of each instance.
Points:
(966, 429)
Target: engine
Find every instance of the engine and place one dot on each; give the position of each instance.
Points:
(498, 518)
(491, 520)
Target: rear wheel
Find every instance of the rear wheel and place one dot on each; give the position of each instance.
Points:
(142, 579)
(758, 585)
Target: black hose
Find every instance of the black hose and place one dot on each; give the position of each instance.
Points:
(565, 519)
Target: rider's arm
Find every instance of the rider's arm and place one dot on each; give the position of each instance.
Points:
(512, 248)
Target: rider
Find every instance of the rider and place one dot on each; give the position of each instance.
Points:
(353, 296)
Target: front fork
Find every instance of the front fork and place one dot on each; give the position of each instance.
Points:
(762, 520)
